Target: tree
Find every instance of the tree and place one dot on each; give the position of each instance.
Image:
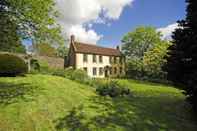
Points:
(46, 50)
(33, 19)
(182, 57)
(153, 60)
(9, 40)
(144, 50)
(62, 51)
(136, 43)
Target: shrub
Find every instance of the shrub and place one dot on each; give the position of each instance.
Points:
(35, 64)
(11, 65)
(68, 72)
(59, 72)
(112, 89)
(80, 76)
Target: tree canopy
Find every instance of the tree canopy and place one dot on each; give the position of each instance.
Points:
(33, 19)
(182, 57)
(145, 51)
(136, 43)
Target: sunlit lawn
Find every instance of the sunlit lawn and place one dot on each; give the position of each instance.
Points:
(42, 103)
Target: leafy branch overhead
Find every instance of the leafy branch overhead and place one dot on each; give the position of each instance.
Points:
(34, 19)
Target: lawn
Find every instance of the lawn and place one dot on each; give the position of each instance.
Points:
(44, 103)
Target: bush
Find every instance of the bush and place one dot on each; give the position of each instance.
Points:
(59, 72)
(11, 65)
(112, 89)
(35, 64)
(80, 76)
(68, 72)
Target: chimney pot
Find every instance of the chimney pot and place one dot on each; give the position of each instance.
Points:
(118, 47)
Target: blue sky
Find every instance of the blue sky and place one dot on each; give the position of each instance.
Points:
(105, 22)
(157, 13)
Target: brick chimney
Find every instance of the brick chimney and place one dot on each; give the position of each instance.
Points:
(72, 38)
(118, 48)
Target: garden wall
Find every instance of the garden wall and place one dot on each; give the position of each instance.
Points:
(54, 62)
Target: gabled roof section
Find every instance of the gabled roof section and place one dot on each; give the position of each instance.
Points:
(93, 49)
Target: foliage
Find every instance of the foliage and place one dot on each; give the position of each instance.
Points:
(12, 65)
(154, 60)
(59, 72)
(182, 57)
(80, 76)
(111, 88)
(33, 19)
(35, 64)
(45, 50)
(145, 51)
(9, 40)
(62, 51)
(68, 72)
(136, 43)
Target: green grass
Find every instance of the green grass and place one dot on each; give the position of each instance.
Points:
(44, 103)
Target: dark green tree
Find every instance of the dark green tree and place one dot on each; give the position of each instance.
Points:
(182, 55)
(32, 19)
(9, 40)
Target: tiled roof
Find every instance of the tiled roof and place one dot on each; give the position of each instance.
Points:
(93, 49)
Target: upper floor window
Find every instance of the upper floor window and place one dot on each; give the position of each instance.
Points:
(100, 71)
(115, 59)
(85, 58)
(94, 58)
(115, 70)
(120, 60)
(101, 59)
(110, 59)
(94, 71)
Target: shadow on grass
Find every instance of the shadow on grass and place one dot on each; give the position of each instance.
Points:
(146, 114)
(132, 114)
(12, 93)
(74, 121)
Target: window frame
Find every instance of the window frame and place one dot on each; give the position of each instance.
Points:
(85, 69)
(115, 70)
(85, 58)
(94, 60)
(94, 71)
(100, 59)
(101, 71)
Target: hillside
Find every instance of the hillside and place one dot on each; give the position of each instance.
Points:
(42, 103)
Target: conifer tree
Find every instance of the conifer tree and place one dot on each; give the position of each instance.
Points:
(182, 55)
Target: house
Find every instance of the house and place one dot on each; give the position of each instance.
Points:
(98, 62)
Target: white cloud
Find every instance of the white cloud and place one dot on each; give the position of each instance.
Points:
(76, 14)
(167, 31)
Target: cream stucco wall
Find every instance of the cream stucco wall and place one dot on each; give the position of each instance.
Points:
(80, 64)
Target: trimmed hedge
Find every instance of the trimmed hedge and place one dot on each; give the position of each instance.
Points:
(11, 65)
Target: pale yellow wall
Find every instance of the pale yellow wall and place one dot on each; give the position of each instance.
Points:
(80, 65)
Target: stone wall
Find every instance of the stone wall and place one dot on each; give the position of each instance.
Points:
(54, 62)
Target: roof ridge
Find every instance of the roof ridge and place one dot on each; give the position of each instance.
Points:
(94, 45)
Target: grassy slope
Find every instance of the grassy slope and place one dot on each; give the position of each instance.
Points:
(39, 102)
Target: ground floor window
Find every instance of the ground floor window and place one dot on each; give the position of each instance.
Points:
(85, 69)
(94, 71)
(120, 70)
(100, 71)
(110, 70)
(115, 70)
